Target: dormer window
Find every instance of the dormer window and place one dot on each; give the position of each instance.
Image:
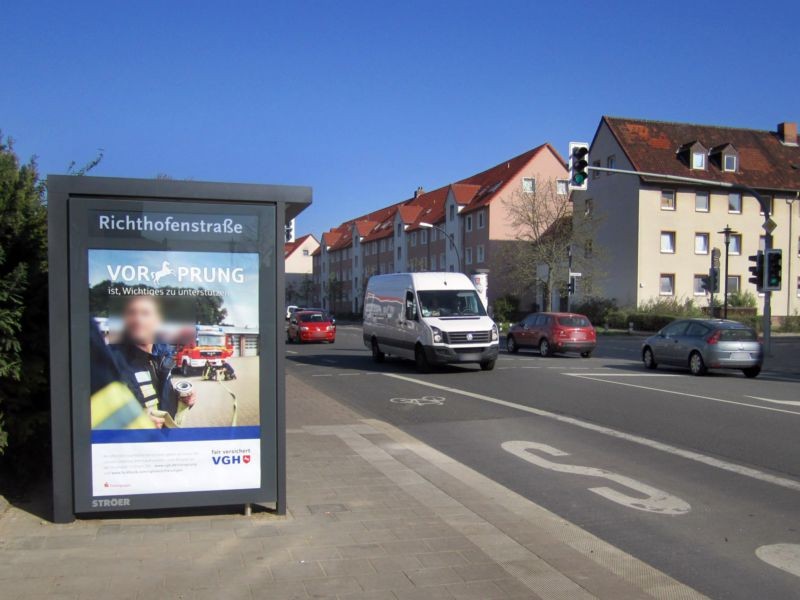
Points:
(699, 160)
(726, 157)
(693, 154)
(729, 163)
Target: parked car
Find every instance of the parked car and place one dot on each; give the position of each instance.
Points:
(702, 344)
(311, 326)
(430, 318)
(553, 332)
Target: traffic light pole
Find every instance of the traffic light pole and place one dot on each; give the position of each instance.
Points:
(767, 325)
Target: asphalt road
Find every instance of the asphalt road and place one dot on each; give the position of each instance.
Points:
(699, 477)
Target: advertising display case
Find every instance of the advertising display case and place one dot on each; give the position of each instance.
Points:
(166, 343)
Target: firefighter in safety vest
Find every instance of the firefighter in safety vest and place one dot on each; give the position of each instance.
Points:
(146, 365)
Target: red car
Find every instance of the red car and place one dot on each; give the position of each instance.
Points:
(553, 332)
(311, 326)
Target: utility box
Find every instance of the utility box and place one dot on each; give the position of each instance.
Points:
(166, 343)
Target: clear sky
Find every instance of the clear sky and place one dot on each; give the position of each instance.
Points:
(366, 101)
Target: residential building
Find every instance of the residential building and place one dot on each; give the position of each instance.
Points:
(298, 264)
(470, 222)
(657, 236)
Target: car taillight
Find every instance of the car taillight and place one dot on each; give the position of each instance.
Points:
(714, 338)
(562, 332)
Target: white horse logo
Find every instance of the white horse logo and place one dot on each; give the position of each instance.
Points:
(165, 270)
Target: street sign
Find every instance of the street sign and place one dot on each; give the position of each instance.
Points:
(769, 225)
(576, 275)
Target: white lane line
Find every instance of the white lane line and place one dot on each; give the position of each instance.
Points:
(347, 374)
(636, 439)
(787, 402)
(292, 352)
(785, 557)
(606, 374)
(322, 375)
(685, 394)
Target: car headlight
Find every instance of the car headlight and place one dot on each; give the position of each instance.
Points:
(495, 333)
(438, 338)
(304, 329)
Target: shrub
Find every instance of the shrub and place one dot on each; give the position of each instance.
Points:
(505, 308)
(742, 299)
(597, 310)
(790, 324)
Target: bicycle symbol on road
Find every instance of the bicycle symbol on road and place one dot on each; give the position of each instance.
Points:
(424, 401)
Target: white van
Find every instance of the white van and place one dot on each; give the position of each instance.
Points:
(431, 318)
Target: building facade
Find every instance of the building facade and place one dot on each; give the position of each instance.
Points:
(658, 236)
(458, 227)
(299, 268)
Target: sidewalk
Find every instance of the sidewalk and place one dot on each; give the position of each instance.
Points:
(374, 514)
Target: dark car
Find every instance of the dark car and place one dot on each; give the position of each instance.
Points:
(553, 332)
(702, 344)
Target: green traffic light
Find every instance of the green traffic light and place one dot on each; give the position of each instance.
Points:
(579, 178)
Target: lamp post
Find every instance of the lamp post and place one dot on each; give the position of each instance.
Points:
(727, 232)
(449, 237)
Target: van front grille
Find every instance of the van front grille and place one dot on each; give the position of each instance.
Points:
(469, 337)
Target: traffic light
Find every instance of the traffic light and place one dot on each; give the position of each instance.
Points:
(711, 281)
(578, 165)
(773, 259)
(571, 286)
(757, 270)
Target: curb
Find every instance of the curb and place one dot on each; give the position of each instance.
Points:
(4, 505)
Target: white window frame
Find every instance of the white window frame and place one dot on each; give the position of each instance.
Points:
(423, 236)
(413, 238)
(735, 160)
(674, 200)
(562, 187)
(468, 255)
(735, 251)
(702, 157)
(708, 202)
(480, 254)
(670, 277)
(481, 219)
(595, 174)
(699, 236)
(528, 185)
(671, 236)
(468, 223)
(738, 280)
(698, 277)
(735, 212)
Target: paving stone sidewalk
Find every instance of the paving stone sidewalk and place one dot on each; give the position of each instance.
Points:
(374, 514)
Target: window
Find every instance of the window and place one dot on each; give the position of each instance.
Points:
(423, 236)
(611, 163)
(701, 243)
(399, 230)
(528, 185)
(667, 200)
(399, 253)
(770, 203)
(480, 255)
(468, 223)
(698, 285)
(452, 212)
(414, 238)
(441, 261)
(468, 256)
(666, 284)
(305, 252)
(798, 286)
(588, 207)
(735, 247)
(452, 269)
(562, 187)
(735, 203)
(701, 203)
(481, 219)
(595, 174)
(729, 163)
(668, 242)
(697, 330)
(356, 261)
(734, 281)
(699, 160)
(433, 235)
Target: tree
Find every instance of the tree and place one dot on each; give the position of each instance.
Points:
(307, 289)
(546, 233)
(335, 290)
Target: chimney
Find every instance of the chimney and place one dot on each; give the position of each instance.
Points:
(787, 132)
(420, 190)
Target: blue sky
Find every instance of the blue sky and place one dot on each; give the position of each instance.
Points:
(240, 299)
(366, 101)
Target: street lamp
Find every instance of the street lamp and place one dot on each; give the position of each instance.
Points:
(727, 232)
(449, 237)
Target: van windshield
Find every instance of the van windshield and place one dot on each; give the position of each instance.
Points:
(450, 303)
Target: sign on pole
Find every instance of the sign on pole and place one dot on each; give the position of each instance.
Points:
(167, 381)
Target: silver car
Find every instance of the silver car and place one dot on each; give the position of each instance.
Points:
(703, 344)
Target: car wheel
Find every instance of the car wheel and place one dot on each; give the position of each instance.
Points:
(487, 365)
(751, 372)
(587, 354)
(511, 345)
(377, 355)
(544, 347)
(648, 359)
(185, 369)
(696, 364)
(421, 360)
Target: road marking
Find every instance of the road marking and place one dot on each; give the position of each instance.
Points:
(636, 439)
(292, 352)
(655, 500)
(604, 374)
(347, 374)
(322, 375)
(424, 401)
(785, 557)
(788, 402)
(685, 394)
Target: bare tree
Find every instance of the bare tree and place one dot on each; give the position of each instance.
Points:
(546, 233)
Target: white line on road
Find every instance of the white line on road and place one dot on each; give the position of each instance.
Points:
(685, 394)
(620, 374)
(292, 352)
(788, 402)
(781, 556)
(636, 439)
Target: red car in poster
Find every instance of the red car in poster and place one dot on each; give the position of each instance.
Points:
(201, 344)
(311, 326)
